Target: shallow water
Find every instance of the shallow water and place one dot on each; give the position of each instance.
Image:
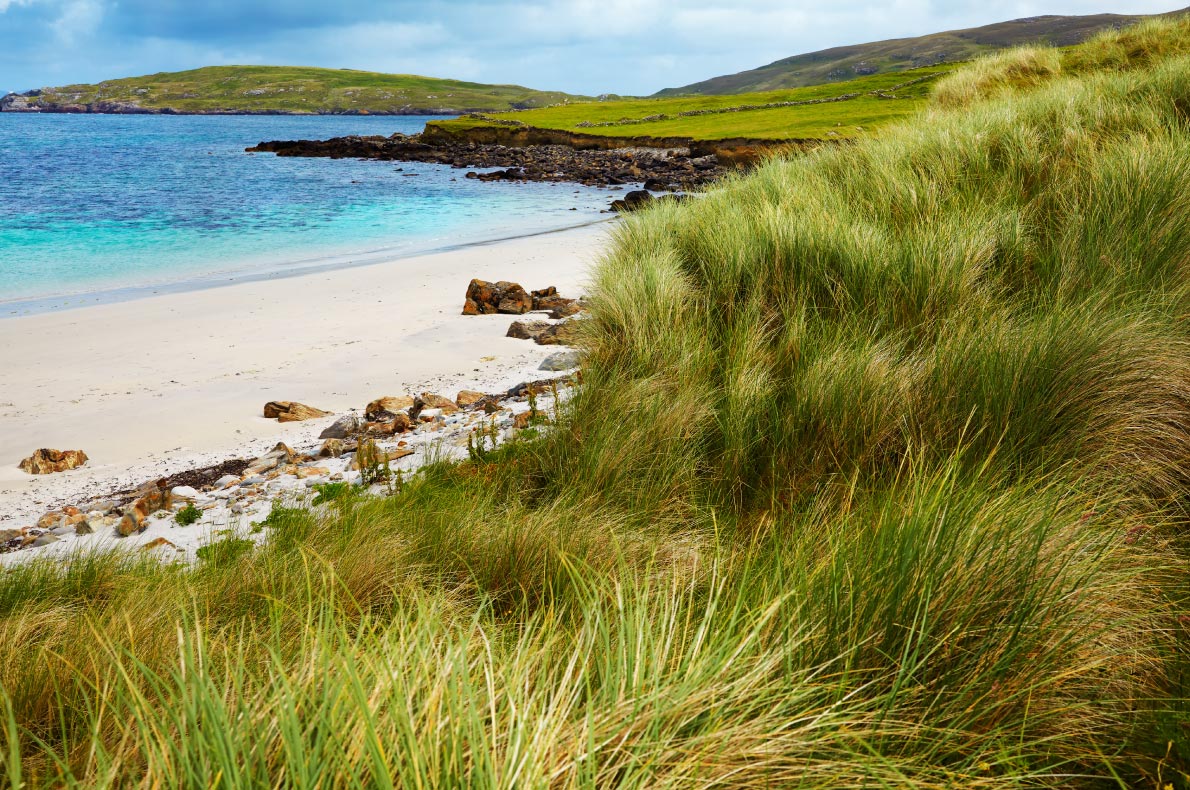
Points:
(109, 204)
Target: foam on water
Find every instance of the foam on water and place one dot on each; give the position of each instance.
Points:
(117, 204)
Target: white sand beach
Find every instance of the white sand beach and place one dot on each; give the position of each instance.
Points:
(176, 381)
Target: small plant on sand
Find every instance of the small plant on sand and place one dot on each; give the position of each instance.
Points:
(188, 515)
(482, 441)
(373, 463)
(331, 492)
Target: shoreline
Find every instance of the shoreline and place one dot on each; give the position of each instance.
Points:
(22, 307)
(176, 381)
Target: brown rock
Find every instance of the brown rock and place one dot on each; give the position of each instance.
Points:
(47, 462)
(278, 457)
(331, 448)
(527, 330)
(157, 544)
(501, 297)
(137, 514)
(467, 398)
(563, 334)
(290, 411)
(50, 520)
(521, 421)
(566, 310)
(379, 408)
(432, 401)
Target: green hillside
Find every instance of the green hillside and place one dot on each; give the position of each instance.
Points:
(844, 63)
(218, 89)
(844, 109)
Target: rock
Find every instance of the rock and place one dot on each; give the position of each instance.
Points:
(563, 334)
(88, 527)
(485, 298)
(562, 360)
(8, 536)
(573, 307)
(137, 514)
(380, 408)
(290, 411)
(41, 540)
(521, 421)
(341, 428)
(384, 457)
(279, 456)
(526, 330)
(633, 201)
(467, 398)
(225, 481)
(47, 462)
(50, 520)
(331, 448)
(185, 492)
(158, 543)
(432, 401)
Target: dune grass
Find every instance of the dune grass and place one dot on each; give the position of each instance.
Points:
(879, 477)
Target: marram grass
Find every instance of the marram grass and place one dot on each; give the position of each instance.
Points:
(879, 477)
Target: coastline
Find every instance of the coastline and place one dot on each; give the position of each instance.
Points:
(174, 381)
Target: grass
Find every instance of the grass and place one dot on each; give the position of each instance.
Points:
(727, 117)
(879, 476)
(301, 90)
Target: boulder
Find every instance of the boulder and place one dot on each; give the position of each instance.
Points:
(331, 448)
(485, 298)
(188, 493)
(527, 330)
(47, 462)
(467, 398)
(50, 520)
(633, 201)
(136, 515)
(290, 411)
(279, 456)
(395, 423)
(563, 334)
(572, 307)
(341, 428)
(383, 407)
(562, 360)
(432, 401)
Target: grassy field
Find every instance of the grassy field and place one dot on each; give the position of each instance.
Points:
(879, 476)
(301, 89)
(746, 115)
(897, 55)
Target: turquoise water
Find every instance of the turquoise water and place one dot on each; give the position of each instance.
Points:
(94, 206)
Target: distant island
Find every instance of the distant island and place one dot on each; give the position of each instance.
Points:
(282, 90)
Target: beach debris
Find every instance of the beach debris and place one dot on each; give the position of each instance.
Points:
(291, 411)
(485, 298)
(562, 360)
(47, 462)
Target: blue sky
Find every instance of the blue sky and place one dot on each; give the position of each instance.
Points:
(580, 46)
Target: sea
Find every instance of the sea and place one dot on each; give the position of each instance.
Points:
(101, 208)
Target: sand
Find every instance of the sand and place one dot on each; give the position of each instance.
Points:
(176, 381)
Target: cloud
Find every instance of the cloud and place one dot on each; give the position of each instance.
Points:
(78, 18)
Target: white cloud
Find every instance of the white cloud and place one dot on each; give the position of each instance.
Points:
(78, 18)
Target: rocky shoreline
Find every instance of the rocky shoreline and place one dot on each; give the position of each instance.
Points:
(658, 169)
(21, 103)
(373, 450)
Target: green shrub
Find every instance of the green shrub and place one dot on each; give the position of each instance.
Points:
(188, 515)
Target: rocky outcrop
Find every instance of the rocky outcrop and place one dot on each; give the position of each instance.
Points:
(565, 158)
(468, 398)
(290, 411)
(526, 330)
(387, 406)
(485, 298)
(154, 497)
(46, 461)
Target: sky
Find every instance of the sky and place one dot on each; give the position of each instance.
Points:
(580, 46)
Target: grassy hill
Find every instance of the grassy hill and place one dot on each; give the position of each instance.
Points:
(844, 109)
(878, 476)
(845, 63)
(296, 90)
